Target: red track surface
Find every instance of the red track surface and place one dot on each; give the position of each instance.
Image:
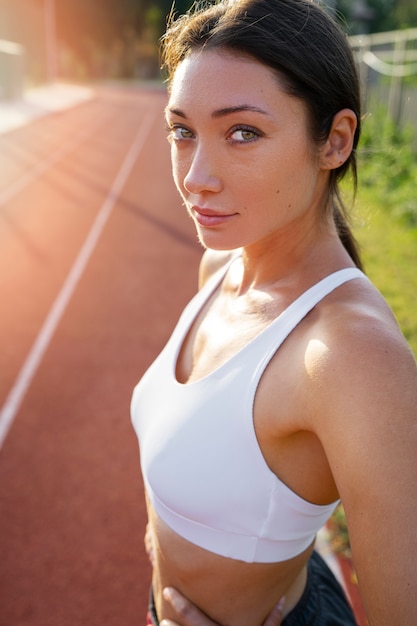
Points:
(71, 501)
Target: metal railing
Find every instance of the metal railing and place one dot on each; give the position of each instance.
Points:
(387, 61)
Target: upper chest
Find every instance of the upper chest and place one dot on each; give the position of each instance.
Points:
(223, 327)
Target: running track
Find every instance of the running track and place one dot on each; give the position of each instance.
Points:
(96, 263)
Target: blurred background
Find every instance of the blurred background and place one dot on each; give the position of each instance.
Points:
(85, 39)
(42, 41)
(103, 39)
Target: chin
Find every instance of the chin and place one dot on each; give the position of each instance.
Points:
(216, 242)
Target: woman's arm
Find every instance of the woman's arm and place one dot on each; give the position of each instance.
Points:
(367, 423)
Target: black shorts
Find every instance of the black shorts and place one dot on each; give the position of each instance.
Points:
(323, 602)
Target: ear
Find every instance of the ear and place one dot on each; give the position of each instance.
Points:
(338, 146)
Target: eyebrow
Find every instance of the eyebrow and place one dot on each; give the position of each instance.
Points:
(218, 113)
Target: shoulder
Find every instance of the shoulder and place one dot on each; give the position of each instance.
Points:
(362, 379)
(363, 337)
(360, 353)
(211, 262)
(347, 374)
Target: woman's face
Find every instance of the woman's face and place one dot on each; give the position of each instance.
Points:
(241, 155)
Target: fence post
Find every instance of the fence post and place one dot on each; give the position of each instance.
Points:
(396, 87)
(50, 40)
(11, 70)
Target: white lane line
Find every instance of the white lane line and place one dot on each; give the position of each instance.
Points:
(34, 358)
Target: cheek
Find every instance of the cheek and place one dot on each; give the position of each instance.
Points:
(180, 166)
(176, 171)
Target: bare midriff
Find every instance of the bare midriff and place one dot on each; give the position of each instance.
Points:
(229, 591)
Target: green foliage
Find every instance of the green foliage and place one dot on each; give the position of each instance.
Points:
(389, 252)
(338, 532)
(386, 15)
(387, 205)
(405, 14)
(388, 164)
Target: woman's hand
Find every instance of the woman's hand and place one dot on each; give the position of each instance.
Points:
(190, 615)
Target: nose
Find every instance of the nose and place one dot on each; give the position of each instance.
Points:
(202, 172)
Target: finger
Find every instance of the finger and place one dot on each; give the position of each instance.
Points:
(189, 614)
(275, 616)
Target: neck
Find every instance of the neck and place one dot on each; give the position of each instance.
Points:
(303, 257)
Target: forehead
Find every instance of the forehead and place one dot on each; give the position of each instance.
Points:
(216, 77)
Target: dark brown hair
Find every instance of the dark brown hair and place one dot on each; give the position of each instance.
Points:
(303, 45)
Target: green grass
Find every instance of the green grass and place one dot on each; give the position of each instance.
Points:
(389, 251)
(387, 209)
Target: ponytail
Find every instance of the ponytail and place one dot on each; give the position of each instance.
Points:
(346, 236)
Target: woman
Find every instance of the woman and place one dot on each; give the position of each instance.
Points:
(286, 384)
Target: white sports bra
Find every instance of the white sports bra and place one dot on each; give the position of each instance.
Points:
(201, 463)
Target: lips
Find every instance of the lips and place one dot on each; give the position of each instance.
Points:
(210, 217)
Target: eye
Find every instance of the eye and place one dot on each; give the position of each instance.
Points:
(179, 133)
(244, 134)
